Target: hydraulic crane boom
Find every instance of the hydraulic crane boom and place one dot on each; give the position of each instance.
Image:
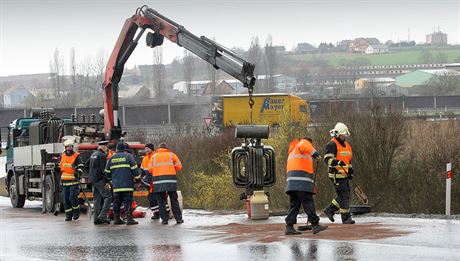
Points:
(146, 18)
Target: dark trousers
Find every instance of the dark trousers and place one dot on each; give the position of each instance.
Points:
(70, 197)
(162, 199)
(297, 198)
(126, 198)
(342, 201)
(153, 201)
(102, 199)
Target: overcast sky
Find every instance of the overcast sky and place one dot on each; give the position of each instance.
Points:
(30, 30)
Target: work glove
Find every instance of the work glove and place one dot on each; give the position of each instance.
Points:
(350, 173)
(338, 163)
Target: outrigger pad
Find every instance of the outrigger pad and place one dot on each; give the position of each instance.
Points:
(252, 131)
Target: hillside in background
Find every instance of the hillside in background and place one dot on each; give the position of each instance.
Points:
(395, 56)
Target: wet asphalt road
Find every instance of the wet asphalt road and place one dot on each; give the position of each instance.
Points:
(26, 234)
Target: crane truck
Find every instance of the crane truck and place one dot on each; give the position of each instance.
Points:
(34, 143)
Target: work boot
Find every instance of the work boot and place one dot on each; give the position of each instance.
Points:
(155, 216)
(76, 214)
(105, 220)
(68, 216)
(290, 230)
(98, 221)
(180, 221)
(118, 220)
(164, 222)
(130, 220)
(329, 213)
(346, 219)
(304, 228)
(318, 228)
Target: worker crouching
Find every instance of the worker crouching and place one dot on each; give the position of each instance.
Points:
(71, 167)
(122, 170)
(300, 185)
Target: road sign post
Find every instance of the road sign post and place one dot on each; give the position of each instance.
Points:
(448, 187)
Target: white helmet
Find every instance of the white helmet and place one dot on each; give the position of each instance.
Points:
(340, 129)
(68, 142)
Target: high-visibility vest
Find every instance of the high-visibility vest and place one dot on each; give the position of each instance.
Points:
(344, 153)
(300, 176)
(146, 161)
(67, 166)
(110, 154)
(300, 157)
(163, 166)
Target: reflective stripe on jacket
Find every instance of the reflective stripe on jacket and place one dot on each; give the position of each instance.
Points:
(300, 176)
(122, 169)
(67, 165)
(163, 166)
(344, 153)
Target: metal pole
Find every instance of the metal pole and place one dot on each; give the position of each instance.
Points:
(448, 187)
(169, 113)
(124, 116)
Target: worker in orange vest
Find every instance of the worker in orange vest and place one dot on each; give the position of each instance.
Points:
(164, 165)
(71, 167)
(147, 180)
(300, 185)
(338, 159)
(111, 151)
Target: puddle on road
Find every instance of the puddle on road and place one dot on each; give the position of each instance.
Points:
(268, 233)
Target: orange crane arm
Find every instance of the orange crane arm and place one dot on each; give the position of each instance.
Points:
(146, 18)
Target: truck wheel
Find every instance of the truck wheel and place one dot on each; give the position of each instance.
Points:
(16, 200)
(50, 190)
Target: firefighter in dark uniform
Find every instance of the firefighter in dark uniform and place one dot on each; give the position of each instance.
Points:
(101, 187)
(71, 167)
(122, 170)
(338, 159)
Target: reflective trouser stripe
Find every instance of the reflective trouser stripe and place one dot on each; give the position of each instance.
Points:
(76, 207)
(335, 203)
(68, 210)
(342, 210)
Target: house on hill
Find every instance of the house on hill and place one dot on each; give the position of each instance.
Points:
(305, 48)
(375, 49)
(14, 96)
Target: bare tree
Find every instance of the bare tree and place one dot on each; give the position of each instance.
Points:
(270, 62)
(255, 55)
(158, 71)
(57, 69)
(188, 67)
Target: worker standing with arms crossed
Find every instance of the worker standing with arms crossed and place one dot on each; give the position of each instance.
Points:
(71, 167)
(101, 187)
(338, 159)
(164, 166)
(300, 185)
(122, 170)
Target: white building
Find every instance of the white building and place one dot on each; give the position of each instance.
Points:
(377, 48)
(196, 87)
